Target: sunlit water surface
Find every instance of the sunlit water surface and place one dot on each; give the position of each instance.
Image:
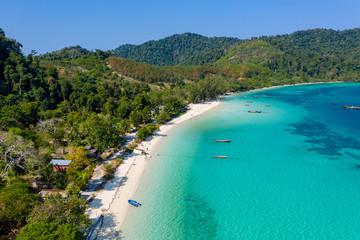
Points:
(291, 173)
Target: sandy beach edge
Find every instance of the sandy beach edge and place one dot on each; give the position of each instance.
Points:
(290, 85)
(114, 206)
(110, 205)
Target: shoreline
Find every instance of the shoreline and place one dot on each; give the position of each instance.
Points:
(188, 199)
(109, 208)
(289, 85)
(129, 175)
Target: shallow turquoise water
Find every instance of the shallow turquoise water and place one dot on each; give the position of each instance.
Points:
(292, 173)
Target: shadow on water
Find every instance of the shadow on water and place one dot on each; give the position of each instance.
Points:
(322, 139)
(355, 156)
(199, 222)
(356, 166)
(299, 95)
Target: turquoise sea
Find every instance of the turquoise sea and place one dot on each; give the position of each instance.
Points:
(292, 173)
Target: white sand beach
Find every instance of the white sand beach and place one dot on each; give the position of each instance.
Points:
(296, 84)
(109, 207)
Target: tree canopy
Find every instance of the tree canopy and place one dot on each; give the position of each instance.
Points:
(173, 50)
(57, 103)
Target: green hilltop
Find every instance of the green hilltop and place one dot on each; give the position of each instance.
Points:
(256, 51)
(310, 54)
(173, 50)
(55, 104)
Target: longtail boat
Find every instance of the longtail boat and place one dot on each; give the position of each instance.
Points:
(220, 156)
(351, 107)
(225, 140)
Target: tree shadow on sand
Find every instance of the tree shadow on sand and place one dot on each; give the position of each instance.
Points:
(109, 228)
(112, 185)
(159, 135)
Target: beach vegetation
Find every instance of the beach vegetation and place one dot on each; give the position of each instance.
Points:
(117, 162)
(57, 218)
(78, 158)
(16, 154)
(53, 105)
(108, 177)
(108, 168)
(79, 178)
(16, 202)
(50, 231)
(163, 117)
(56, 209)
(146, 131)
(130, 148)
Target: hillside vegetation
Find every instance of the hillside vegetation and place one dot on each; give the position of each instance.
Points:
(256, 51)
(312, 54)
(325, 42)
(174, 50)
(177, 74)
(318, 54)
(53, 105)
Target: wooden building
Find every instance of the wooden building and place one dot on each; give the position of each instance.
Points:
(60, 164)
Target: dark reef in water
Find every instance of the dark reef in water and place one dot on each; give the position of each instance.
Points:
(322, 139)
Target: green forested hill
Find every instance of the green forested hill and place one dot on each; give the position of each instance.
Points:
(194, 49)
(72, 52)
(325, 42)
(73, 97)
(256, 51)
(51, 107)
(174, 50)
(312, 54)
(177, 74)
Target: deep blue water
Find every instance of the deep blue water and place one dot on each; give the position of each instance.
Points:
(291, 173)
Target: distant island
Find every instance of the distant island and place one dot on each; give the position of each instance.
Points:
(79, 105)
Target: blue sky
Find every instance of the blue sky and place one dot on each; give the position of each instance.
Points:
(48, 25)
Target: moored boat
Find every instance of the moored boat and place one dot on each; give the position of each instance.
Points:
(352, 107)
(220, 156)
(225, 140)
(134, 203)
(255, 111)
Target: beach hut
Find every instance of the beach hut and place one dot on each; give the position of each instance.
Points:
(60, 164)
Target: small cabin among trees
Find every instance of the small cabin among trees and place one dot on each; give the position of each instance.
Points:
(60, 164)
